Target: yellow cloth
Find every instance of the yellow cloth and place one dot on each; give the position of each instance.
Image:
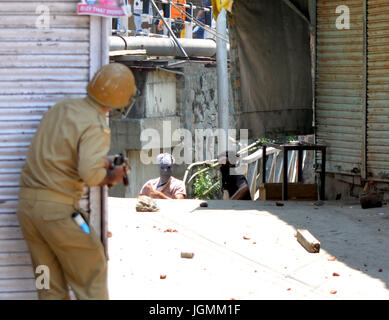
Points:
(217, 6)
(68, 149)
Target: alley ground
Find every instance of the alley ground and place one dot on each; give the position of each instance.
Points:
(247, 250)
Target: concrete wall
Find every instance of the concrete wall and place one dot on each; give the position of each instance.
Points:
(189, 101)
(346, 187)
(155, 109)
(169, 101)
(197, 101)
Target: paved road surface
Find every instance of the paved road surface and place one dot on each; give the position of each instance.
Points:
(247, 250)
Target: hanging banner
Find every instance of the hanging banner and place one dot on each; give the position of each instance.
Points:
(271, 71)
(104, 8)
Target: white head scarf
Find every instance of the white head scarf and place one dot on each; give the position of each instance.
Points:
(165, 159)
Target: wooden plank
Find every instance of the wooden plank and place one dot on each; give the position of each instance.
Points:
(308, 241)
(127, 52)
(131, 58)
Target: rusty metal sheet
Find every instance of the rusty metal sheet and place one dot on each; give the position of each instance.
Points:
(378, 90)
(339, 85)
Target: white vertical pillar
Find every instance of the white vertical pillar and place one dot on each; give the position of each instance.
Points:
(222, 79)
(124, 25)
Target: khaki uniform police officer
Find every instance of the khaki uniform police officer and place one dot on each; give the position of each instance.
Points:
(68, 151)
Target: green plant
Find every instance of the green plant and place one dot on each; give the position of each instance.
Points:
(279, 140)
(206, 188)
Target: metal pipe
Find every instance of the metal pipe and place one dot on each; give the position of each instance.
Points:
(164, 46)
(222, 80)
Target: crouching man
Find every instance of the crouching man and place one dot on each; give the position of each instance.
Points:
(165, 186)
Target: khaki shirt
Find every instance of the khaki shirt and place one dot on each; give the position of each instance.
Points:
(68, 149)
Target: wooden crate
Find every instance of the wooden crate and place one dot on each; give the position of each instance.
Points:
(296, 191)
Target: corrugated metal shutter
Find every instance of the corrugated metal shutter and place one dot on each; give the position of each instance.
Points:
(340, 86)
(378, 90)
(38, 67)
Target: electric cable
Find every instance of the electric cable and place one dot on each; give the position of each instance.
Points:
(200, 24)
(189, 16)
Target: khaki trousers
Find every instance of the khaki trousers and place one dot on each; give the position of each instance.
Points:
(73, 257)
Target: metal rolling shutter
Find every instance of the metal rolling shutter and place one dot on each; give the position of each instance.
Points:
(37, 68)
(340, 86)
(378, 90)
